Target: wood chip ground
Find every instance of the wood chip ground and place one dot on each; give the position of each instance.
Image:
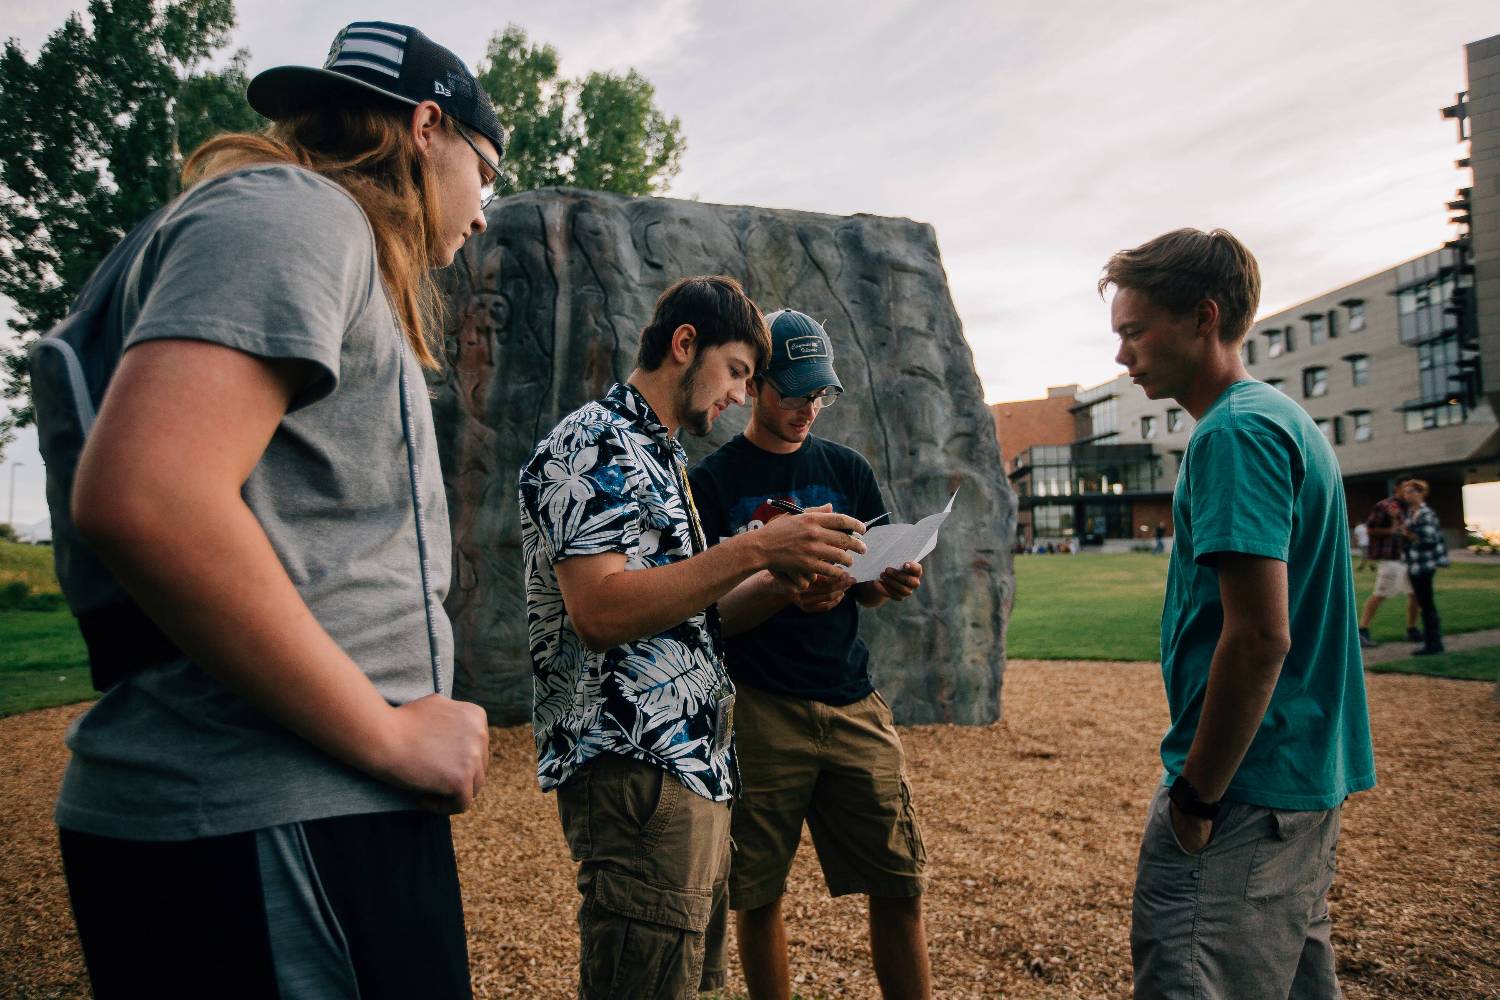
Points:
(1031, 826)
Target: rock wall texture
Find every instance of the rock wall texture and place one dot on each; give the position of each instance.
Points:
(545, 313)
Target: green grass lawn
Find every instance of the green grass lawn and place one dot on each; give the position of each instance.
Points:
(1067, 608)
(1108, 607)
(42, 658)
(1465, 665)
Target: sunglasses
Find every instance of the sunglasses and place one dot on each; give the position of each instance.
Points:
(486, 191)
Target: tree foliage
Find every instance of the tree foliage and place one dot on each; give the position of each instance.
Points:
(96, 128)
(92, 140)
(603, 132)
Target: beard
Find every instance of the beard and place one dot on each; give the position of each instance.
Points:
(696, 422)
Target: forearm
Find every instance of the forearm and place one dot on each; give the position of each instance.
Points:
(1241, 680)
(210, 579)
(634, 604)
(752, 602)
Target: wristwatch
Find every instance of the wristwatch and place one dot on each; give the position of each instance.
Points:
(1186, 798)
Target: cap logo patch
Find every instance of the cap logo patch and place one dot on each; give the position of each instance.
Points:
(798, 348)
(440, 89)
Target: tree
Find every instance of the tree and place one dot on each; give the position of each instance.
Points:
(603, 132)
(92, 140)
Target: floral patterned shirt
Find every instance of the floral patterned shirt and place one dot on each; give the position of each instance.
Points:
(609, 478)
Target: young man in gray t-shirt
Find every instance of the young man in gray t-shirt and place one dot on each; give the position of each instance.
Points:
(267, 811)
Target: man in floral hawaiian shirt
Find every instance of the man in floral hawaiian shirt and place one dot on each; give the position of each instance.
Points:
(632, 705)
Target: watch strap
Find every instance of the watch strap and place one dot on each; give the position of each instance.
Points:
(1185, 797)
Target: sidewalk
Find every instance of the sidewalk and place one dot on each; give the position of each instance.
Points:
(1399, 649)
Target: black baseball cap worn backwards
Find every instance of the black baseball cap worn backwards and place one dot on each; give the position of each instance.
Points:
(801, 354)
(379, 58)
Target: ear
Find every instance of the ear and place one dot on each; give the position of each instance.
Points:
(1208, 318)
(425, 119)
(684, 340)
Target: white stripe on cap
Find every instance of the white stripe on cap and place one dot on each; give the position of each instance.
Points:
(369, 29)
(354, 60)
(373, 47)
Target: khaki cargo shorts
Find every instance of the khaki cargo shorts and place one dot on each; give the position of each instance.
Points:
(841, 769)
(653, 871)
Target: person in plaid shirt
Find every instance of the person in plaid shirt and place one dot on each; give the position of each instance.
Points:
(1425, 553)
(1385, 550)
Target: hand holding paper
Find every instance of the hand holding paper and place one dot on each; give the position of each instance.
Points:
(892, 545)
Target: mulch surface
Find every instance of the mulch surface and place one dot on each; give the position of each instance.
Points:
(1031, 827)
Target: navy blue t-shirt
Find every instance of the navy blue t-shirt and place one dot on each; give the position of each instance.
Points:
(815, 656)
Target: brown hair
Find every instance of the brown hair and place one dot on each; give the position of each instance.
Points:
(368, 151)
(1420, 485)
(714, 305)
(1180, 269)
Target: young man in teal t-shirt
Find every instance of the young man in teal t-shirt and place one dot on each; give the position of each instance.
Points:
(1260, 650)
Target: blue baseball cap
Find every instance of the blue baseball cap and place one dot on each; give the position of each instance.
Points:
(801, 355)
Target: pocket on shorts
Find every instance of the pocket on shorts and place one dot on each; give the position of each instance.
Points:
(1290, 859)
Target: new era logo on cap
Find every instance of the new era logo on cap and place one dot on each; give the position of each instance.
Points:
(368, 45)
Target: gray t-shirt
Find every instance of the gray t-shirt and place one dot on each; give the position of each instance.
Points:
(280, 263)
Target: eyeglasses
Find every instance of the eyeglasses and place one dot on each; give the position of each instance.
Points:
(486, 191)
(822, 399)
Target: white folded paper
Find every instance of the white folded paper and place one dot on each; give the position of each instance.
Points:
(892, 545)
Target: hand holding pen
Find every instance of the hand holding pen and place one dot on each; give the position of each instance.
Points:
(811, 543)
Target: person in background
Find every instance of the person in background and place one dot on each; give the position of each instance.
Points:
(1426, 552)
(1386, 551)
(1362, 542)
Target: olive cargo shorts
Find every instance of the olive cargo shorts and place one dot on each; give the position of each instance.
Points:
(841, 768)
(653, 872)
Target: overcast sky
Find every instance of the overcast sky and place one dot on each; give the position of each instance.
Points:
(1036, 138)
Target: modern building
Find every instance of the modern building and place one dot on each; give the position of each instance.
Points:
(1392, 367)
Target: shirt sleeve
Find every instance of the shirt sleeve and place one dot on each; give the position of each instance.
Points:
(277, 263)
(577, 493)
(1242, 495)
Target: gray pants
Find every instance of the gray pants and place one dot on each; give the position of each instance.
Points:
(1246, 918)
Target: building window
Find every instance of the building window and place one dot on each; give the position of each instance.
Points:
(1437, 366)
(1317, 332)
(1332, 428)
(1249, 352)
(1314, 382)
(1177, 454)
(1356, 315)
(1363, 431)
(1052, 520)
(1289, 338)
(1148, 427)
(1359, 369)
(1333, 324)
(1277, 384)
(1174, 420)
(1274, 344)
(1431, 417)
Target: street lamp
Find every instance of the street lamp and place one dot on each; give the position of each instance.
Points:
(12, 519)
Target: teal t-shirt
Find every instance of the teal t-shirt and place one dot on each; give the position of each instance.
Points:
(1260, 479)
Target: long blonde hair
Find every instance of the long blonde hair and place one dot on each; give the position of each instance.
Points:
(369, 152)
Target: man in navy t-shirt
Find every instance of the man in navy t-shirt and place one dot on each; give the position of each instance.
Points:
(816, 742)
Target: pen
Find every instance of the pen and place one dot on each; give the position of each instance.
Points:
(786, 506)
